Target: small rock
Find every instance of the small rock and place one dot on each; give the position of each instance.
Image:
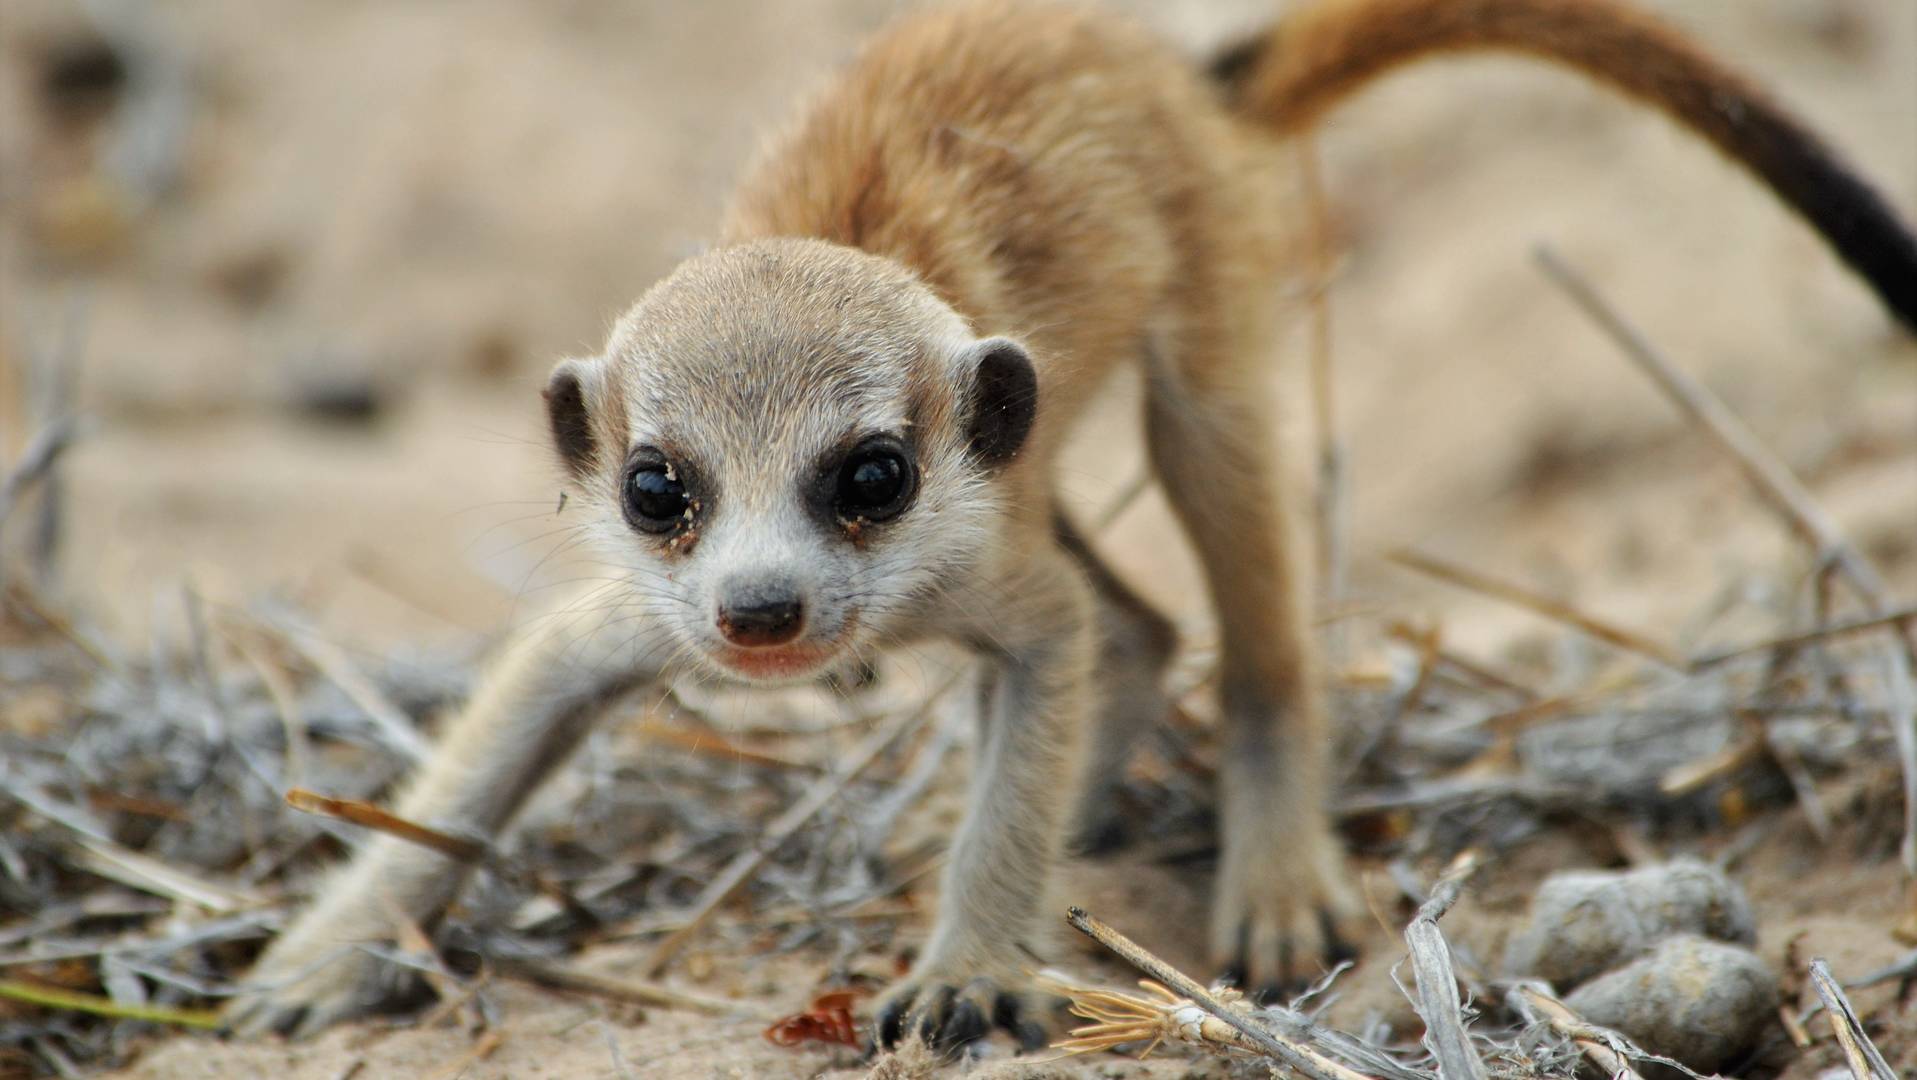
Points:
(1700, 1002)
(1585, 922)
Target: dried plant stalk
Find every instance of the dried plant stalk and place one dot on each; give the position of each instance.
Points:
(1784, 493)
(1865, 1060)
(1549, 607)
(48, 997)
(563, 977)
(1437, 1000)
(820, 795)
(1120, 1016)
(359, 812)
(1227, 1008)
(1529, 998)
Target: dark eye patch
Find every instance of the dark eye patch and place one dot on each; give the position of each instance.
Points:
(874, 484)
(658, 494)
(873, 480)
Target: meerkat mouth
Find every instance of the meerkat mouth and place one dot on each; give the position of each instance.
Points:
(781, 663)
(808, 657)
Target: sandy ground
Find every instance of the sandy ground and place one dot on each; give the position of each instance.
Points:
(426, 204)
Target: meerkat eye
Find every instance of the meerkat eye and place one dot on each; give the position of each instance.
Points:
(655, 500)
(875, 483)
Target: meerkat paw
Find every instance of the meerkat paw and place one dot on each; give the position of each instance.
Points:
(1101, 827)
(948, 1012)
(1283, 911)
(308, 981)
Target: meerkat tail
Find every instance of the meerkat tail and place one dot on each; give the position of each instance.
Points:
(1313, 60)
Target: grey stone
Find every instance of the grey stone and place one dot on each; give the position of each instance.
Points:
(1701, 1002)
(1584, 922)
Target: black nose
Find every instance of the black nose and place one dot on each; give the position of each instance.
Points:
(762, 620)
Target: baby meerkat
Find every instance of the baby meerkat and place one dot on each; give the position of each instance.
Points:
(836, 430)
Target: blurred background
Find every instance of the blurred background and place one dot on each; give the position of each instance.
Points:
(294, 272)
(301, 267)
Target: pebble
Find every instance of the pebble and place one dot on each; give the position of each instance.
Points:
(1583, 923)
(1698, 1001)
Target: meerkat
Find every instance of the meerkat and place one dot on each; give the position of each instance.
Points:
(836, 430)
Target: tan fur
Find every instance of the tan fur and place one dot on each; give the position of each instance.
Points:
(985, 173)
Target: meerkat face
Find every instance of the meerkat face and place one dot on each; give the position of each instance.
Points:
(789, 449)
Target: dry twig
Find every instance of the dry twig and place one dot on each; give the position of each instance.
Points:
(556, 976)
(1771, 478)
(1865, 1060)
(365, 814)
(17, 593)
(49, 997)
(41, 452)
(1549, 607)
(394, 726)
(1120, 1017)
(1693, 776)
(457, 848)
(712, 744)
(1889, 619)
(1304, 1059)
(742, 868)
(102, 855)
(116, 862)
(1903, 969)
(1437, 1000)
(1780, 489)
(1531, 1001)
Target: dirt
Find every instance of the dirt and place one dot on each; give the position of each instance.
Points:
(310, 364)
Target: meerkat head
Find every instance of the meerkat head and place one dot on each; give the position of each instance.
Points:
(789, 449)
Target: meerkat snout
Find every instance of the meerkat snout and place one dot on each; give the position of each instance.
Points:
(761, 614)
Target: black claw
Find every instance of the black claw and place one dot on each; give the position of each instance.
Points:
(967, 1024)
(1108, 834)
(1008, 1012)
(1239, 969)
(1030, 1035)
(891, 1023)
(1337, 949)
(1005, 1011)
(937, 1011)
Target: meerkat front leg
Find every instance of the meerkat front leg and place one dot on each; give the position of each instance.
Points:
(536, 704)
(995, 915)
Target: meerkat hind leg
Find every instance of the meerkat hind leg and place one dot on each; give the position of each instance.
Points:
(1281, 892)
(1135, 643)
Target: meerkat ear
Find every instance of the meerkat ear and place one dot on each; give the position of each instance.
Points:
(1004, 399)
(572, 436)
